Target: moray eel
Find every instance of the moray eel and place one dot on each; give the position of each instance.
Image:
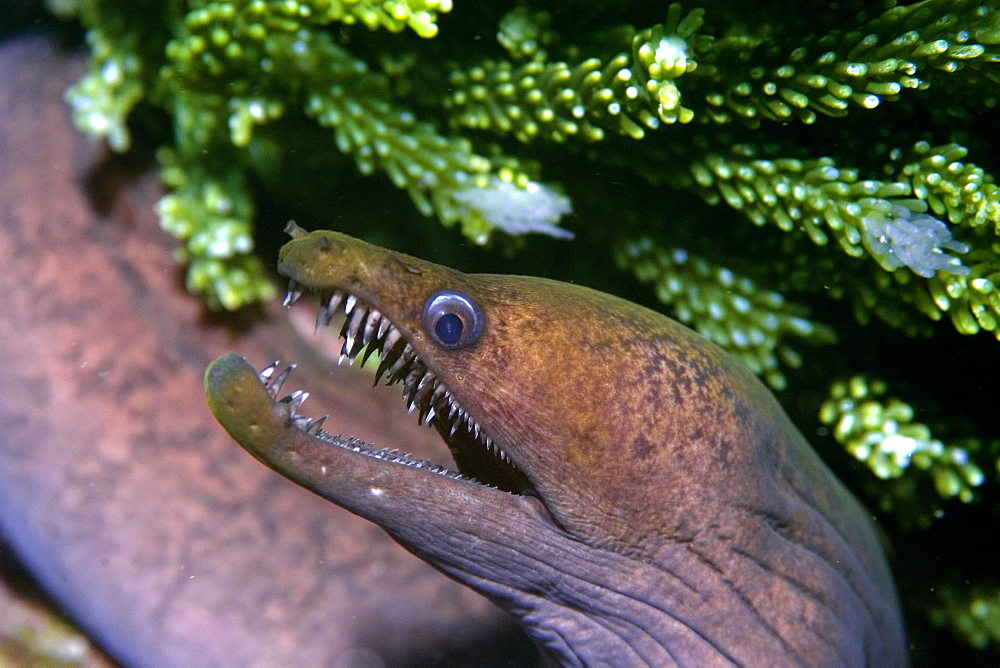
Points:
(624, 488)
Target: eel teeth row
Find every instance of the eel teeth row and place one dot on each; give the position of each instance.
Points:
(366, 329)
(273, 381)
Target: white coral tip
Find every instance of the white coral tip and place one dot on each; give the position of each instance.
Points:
(515, 210)
(915, 240)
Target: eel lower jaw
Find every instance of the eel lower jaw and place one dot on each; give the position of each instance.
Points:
(406, 496)
(366, 331)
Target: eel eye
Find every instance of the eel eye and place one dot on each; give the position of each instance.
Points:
(453, 320)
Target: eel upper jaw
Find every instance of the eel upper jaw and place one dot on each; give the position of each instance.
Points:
(366, 331)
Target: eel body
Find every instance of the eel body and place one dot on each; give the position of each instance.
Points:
(624, 488)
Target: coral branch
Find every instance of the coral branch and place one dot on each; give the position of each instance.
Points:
(880, 431)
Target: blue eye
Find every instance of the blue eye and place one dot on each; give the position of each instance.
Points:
(453, 320)
(449, 328)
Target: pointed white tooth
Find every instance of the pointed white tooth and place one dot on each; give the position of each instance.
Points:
(422, 391)
(428, 377)
(328, 310)
(335, 301)
(353, 326)
(340, 360)
(349, 303)
(383, 327)
(454, 426)
(391, 338)
(430, 415)
(293, 294)
(396, 367)
(404, 358)
(296, 399)
(322, 318)
(383, 366)
(275, 386)
(476, 430)
(266, 373)
(317, 426)
(409, 394)
(371, 324)
(413, 378)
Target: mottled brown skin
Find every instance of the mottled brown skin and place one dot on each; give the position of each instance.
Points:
(156, 532)
(677, 516)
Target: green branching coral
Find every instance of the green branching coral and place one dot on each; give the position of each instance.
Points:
(628, 94)
(802, 183)
(881, 220)
(738, 76)
(880, 431)
(210, 209)
(232, 68)
(973, 615)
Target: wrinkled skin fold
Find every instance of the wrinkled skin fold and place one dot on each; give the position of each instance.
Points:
(660, 507)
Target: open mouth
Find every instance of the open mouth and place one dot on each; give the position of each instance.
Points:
(366, 331)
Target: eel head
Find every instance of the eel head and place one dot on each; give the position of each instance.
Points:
(623, 487)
